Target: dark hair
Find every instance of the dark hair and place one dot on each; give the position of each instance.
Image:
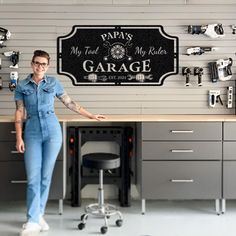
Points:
(40, 53)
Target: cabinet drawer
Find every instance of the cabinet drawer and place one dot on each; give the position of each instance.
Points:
(229, 150)
(181, 179)
(181, 150)
(181, 131)
(230, 131)
(9, 152)
(229, 177)
(13, 181)
(7, 131)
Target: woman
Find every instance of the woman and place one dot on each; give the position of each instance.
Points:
(42, 135)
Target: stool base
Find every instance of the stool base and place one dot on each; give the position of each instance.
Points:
(102, 211)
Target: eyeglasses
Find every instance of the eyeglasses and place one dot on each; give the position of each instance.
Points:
(37, 63)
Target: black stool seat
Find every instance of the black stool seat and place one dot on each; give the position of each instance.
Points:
(101, 161)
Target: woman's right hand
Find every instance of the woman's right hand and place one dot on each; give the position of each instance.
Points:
(20, 146)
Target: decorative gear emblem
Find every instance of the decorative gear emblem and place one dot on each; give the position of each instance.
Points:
(117, 51)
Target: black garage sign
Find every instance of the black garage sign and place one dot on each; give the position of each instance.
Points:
(117, 55)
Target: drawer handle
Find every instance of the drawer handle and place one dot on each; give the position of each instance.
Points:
(182, 180)
(18, 181)
(181, 150)
(181, 131)
(13, 132)
(14, 152)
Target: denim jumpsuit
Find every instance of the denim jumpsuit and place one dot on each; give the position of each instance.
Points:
(42, 137)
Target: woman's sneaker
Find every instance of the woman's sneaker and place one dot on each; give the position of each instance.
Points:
(44, 225)
(30, 229)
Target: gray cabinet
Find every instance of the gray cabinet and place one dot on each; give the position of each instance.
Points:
(12, 170)
(182, 150)
(229, 162)
(181, 179)
(181, 131)
(180, 160)
(13, 181)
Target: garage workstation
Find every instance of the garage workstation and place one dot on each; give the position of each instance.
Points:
(117, 117)
(175, 157)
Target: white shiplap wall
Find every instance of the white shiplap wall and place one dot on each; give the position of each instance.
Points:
(37, 25)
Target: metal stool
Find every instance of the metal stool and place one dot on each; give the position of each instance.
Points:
(101, 161)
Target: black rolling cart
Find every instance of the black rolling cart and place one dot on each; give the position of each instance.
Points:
(81, 176)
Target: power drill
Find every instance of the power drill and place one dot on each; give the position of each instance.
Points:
(4, 35)
(14, 58)
(211, 30)
(221, 69)
(199, 72)
(186, 71)
(234, 29)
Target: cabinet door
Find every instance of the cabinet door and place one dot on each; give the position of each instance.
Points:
(229, 179)
(181, 179)
(230, 131)
(13, 181)
(9, 153)
(182, 131)
(229, 151)
(7, 131)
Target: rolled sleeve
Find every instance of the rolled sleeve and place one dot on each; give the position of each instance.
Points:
(18, 93)
(59, 89)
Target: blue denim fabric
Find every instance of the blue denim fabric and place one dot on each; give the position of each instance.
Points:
(42, 137)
